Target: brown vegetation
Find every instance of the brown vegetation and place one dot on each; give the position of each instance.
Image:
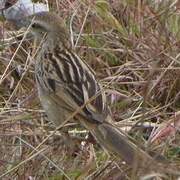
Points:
(134, 48)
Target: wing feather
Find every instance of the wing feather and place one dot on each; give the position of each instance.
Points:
(72, 82)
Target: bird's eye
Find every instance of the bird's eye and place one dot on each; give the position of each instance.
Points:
(35, 25)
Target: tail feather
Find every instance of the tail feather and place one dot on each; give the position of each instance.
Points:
(114, 141)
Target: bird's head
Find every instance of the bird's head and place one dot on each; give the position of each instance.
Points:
(45, 23)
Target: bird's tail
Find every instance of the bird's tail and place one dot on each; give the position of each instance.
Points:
(115, 142)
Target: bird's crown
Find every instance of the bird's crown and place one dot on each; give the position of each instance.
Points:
(45, 22)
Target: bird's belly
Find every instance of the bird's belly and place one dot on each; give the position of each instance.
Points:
(55, 112)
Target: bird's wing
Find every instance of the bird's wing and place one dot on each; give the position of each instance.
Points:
(74, 83)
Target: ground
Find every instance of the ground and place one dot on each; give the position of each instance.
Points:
(133, 46)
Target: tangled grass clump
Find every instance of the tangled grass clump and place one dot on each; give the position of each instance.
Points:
(133, 46)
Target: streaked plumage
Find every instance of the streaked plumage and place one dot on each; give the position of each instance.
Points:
(66, 82)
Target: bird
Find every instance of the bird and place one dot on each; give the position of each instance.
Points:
(65, 82)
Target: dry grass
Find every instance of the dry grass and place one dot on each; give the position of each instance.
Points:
(134, 48)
